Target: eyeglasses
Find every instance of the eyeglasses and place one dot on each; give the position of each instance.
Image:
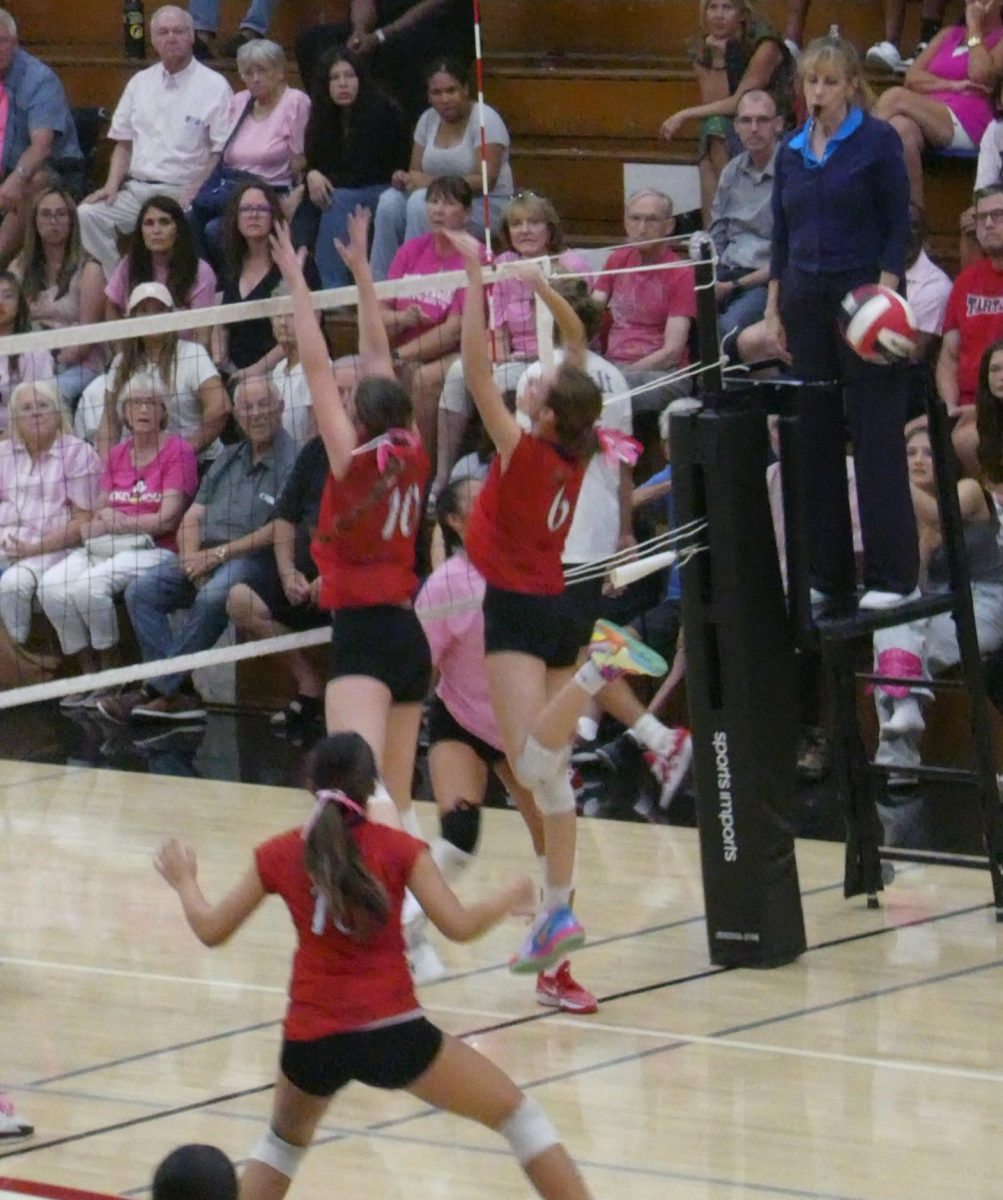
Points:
(989, 218)
(256, 210)
(53, 214)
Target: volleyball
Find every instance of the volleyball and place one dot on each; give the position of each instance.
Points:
(879, 325)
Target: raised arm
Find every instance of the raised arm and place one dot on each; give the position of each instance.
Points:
(374, 345)
(478, 373)
(573, 340)
(333, 422)
(212, 924)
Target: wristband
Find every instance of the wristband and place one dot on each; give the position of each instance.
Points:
(381, 37)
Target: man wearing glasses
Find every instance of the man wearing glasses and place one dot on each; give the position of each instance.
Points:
(974, 316)
(651, 308)
(742, 217)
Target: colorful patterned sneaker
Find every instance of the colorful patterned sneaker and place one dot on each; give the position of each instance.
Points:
(11, 1128)
(551, 936)
(670, 769)
(558, 989)
(616, 652)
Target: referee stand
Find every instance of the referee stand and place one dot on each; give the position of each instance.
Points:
(742, 634)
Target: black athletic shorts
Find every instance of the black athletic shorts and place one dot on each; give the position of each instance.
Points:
(392, 1056)
(384, 642)
(444, 727)
(583, 600)
(543, 626)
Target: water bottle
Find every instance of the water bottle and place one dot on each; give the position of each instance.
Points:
(134, 28)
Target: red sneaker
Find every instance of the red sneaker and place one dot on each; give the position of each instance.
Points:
(557, 989)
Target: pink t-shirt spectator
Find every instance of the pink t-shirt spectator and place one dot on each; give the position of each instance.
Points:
(267, 147)
(37, 496)
(449, 608)
(420, 257)
(139, 491)
(514, 306)
(641, 303)
(973, 109)
(202, 295)
(31, 367)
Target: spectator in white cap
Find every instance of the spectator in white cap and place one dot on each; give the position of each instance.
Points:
(169, 130)
(197, 403)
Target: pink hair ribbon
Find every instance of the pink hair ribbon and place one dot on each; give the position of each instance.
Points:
(618, 447)
(394, 443)
(330, 796)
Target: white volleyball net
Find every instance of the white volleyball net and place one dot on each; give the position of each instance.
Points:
(93, 601)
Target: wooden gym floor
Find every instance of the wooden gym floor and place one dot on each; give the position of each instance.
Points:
(869, 1069)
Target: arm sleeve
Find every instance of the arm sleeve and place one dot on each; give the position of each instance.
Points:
(955, 305)
(779, 247)
(121, 129)
(423, 129)
(180, 467)
(218, 117)
(47, 107)
(203, 294)
(269, 858)
(892, 187)
(495, 132)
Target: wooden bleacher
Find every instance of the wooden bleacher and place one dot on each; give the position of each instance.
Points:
(582, 84)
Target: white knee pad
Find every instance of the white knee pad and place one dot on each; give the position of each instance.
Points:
(529, 1131)
(545, 773)
(279, 1155)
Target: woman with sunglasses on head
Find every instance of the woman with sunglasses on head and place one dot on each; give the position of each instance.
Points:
(352, 1013)
(64, 286)
(530, 229)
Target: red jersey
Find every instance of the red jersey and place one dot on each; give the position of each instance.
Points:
(975, 310)
(517, 528)
(338, 982)
(364, 544)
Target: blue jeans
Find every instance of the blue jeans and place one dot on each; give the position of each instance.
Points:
(744, 310)
(332, 222)
(205, 15)
(152, 596)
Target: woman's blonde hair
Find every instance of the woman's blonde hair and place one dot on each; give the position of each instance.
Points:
(835, 49)
(38, 389)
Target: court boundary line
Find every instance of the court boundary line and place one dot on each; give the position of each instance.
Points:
(558, 1077)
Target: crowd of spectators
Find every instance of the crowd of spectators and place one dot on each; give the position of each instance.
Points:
(179, 470)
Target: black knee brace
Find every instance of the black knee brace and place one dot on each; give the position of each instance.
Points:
(461, 826)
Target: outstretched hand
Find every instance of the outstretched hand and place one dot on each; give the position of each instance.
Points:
(176, 863)
(528, 272)
(355, 254)
(286, 257)
(468, 246)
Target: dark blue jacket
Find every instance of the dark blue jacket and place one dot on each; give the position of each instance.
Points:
(849, 213)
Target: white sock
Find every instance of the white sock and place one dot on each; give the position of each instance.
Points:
(409, 821)
(587, 729)
(652, 734)
(556, 897)
(589, 678)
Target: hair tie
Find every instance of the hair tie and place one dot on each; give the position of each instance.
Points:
(328, 796)
(393, 443)
(618, 447)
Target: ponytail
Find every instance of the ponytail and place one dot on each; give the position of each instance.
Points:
(343, 773)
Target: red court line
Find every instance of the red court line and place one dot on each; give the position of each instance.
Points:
(50, 1191)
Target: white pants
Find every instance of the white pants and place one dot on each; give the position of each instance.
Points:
(78, 596)
(934, 640)
(101, 224)
(19, 584)
(455, 396)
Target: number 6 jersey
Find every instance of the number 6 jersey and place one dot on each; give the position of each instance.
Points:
(364, 544)
(517, 528)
